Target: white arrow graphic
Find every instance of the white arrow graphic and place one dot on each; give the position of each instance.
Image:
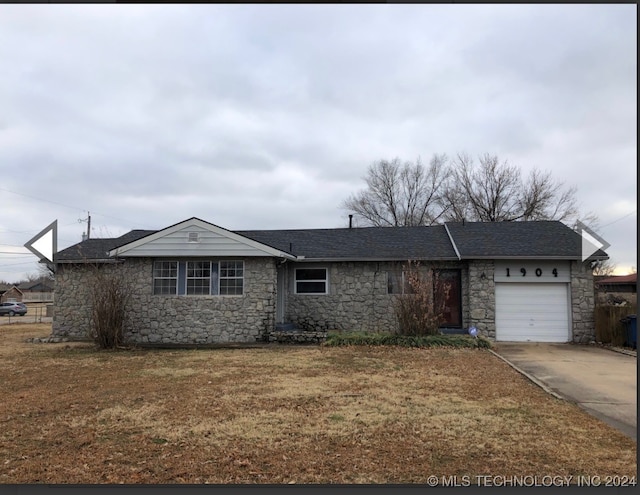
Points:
(591, 242)
(45, 244)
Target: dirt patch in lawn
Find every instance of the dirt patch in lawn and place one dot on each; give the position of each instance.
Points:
(282, 414)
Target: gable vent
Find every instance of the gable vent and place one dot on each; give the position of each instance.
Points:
(193, 237)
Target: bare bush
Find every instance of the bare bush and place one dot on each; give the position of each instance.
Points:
(420, 310)
(109, 294)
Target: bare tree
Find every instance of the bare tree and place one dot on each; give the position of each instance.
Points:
(495, 192)
(603, 268)
(401, 194)
(46, 272)
(408, 193)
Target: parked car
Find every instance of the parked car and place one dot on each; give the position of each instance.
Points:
(13, 308)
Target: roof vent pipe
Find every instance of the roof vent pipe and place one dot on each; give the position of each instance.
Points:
(350, 221)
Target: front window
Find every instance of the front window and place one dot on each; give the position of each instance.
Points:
(311, 281)
(165, 277)
(398, 283)
(231, 278)
(198, 278)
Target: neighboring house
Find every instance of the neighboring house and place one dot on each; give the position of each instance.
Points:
(197, 283)
(617, 290)
(37, 290)
(10, 293)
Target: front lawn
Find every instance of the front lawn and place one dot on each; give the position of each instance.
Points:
(283, 414)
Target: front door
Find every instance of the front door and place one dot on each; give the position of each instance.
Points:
(448, 297)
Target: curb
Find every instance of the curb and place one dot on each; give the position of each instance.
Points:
(530, 377)
(623, 351)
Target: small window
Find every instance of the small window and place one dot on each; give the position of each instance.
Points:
(165, 277)
(193, 237)
(311, 281)
(398, 283)
(231, 278)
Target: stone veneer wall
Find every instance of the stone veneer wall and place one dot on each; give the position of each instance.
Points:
(357, 299)
(582, 303)
(172, 319)
(482, 297)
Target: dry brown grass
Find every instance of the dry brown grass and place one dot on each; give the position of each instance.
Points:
(71, 414)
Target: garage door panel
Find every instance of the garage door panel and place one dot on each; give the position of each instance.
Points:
(532, 312)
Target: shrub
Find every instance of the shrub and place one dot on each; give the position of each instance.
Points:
(109, 294)
(376, 339)
(416, 310)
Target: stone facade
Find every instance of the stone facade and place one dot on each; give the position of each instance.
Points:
(155, 319)
(358, 298)
(482, 297)
(583, 326)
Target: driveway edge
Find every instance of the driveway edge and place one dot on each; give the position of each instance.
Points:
(530, 377)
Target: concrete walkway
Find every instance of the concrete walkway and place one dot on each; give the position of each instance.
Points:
(601, 381)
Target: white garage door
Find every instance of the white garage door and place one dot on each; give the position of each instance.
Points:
(532, 312)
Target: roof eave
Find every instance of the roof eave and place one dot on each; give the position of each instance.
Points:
(564, 258)
(87, 261)
(351, 259)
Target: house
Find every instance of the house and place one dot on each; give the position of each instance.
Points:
(617, 290)
(40, 290)
(197, 283)
(10, 293)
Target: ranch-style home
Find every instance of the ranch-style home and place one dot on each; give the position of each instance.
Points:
(197, 283)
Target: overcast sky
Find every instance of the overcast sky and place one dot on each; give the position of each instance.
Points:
(267, 116)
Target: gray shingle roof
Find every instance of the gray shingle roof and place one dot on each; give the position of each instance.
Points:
(541, 239)
(96, 249)
(376, 243)
(473, 240)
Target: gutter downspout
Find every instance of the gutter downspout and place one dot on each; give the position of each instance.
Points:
(455, 248)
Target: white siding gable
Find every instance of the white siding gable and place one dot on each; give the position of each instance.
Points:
(212, 241)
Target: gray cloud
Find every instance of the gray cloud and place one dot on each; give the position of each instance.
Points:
(267, 116)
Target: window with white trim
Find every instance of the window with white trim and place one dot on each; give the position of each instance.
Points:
(231, 278)
(198, 278)
(165, 277)
(311, 281)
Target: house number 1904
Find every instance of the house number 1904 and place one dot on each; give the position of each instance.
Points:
(538, 272)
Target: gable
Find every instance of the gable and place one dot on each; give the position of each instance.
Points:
(195, 238)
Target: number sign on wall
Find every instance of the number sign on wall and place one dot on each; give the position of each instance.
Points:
(528, 271)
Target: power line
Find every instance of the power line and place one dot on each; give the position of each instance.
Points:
(128, 222)
(16, 264)
(621, 218)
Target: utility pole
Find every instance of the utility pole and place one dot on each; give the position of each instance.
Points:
(88, 220)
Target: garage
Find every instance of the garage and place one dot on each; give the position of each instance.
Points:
(532, 302)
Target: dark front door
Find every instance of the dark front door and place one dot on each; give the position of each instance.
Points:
(448, 297)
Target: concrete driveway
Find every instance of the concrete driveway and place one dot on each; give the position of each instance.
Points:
(601, 381)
